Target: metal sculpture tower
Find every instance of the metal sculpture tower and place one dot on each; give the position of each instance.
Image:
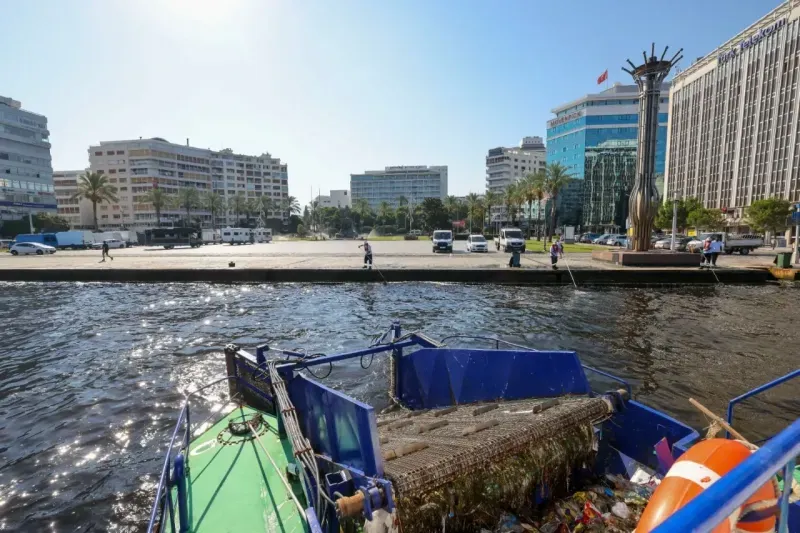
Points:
(643, 200)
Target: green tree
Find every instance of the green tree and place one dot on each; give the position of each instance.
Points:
(290, 205)
(533, 190)
(401, 216)
(50, 223)
(265, 205)
(491, 199)
(555, 179)
(159, 199)
(96, 188)
(707, 219)
(510, 201)
(385, 213)
(301, 230)
(685, 206)
(237, 205)
(769, 214)
(188, 198)
(251, 208)
(361, 210)
(434, 214)
(451, 205)
(472, 206)
(215, 205)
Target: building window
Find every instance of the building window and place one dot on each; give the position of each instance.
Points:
(120, 152)
(98, 153)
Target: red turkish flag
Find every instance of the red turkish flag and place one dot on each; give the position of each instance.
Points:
(603, 77)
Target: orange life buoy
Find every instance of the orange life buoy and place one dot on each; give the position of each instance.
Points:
(698, 468)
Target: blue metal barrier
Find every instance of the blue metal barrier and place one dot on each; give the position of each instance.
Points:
(757, 391)
(720, 500)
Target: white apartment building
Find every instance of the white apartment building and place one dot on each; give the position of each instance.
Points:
(414, 183)
(78, 212)
(505, 166)
(136, 166)
(337, 198)
(26, 172)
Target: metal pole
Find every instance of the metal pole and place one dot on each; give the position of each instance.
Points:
(674, 220)
(796, 253)
(30, 220)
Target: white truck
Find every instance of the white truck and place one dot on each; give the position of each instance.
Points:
(262, 234)
(211, 236)
(731, 243)
(75, 240)
(510, 239)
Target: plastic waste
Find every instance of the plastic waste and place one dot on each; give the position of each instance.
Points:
(621, 510)
(509, 524)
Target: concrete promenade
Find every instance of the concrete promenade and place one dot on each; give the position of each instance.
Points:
(342, 261)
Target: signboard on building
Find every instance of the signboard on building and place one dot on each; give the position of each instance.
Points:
(724, 57)
(403, 168)
(566, 118)
(28, 205)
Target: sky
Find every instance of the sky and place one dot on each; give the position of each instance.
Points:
(338, 86)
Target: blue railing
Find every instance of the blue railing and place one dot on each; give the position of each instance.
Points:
(759, 390)
(715, 504)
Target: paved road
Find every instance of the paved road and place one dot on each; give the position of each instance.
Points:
(327, 254)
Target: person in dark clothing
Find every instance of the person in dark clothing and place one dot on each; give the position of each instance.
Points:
(105, 252)
(556, 251)
(367, 254)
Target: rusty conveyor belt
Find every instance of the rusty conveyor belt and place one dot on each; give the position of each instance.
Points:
(424, 450)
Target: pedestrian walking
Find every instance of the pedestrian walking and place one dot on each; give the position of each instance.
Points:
(716, 249)
(105, 252)
(367, 254)
(706, 261)
(556, 251)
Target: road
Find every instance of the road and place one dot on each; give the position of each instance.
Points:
(323, 254)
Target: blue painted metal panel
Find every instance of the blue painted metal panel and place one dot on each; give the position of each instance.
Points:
(338, 426)
(440, 377)
(636, 430)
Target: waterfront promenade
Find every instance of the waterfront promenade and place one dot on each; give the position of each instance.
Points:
(342, 261)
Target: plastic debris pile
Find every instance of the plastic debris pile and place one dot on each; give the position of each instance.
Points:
(612, 506)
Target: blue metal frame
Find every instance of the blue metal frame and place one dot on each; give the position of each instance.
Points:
(715, 504)
(757, 391)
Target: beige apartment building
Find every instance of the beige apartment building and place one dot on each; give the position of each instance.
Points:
(136, 166)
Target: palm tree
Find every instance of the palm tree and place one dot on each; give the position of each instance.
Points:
(556, 178)
(251, 207)
(159, 199)
(265, 205)
(472, 204)
(214, 203)
(237, 205)
(533, 189)
(291, 205)
(490, 200)
(95, 187)
(188, 198)
(362, 209)
(510, 200)
(451, 204)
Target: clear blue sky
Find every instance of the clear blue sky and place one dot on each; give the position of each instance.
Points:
(332, 87)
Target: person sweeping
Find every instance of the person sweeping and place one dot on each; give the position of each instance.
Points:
(556, 251)
(367, 253)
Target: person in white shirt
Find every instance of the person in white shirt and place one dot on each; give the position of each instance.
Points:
(367, 254)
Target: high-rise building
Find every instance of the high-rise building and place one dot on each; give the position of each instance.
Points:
(78, 212)
(505, 166)
(336, 198)
(580, 131)
(734, 128)
(136, 166)
(415, 183)
(26, 172)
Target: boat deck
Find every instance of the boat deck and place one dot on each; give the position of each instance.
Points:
(425, 449)
(232, 486)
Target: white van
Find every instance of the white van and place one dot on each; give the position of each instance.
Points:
(442, 241)
(236, 235)
(510, 239)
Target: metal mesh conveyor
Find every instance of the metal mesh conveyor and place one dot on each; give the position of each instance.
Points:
(485, 451)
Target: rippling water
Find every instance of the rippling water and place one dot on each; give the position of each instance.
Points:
(91, 375)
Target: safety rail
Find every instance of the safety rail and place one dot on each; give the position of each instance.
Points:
(759, 390)
(720, 500)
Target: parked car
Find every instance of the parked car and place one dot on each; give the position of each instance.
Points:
(112, 243)
(617, 240)
(477, 243)
(665, 242)
(28, 248)
(602, 238)
(588, 237)
(415, 232)
(442, 241)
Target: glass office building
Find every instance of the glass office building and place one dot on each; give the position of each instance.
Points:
(592, 122)
(415, 183)
(734, 133)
